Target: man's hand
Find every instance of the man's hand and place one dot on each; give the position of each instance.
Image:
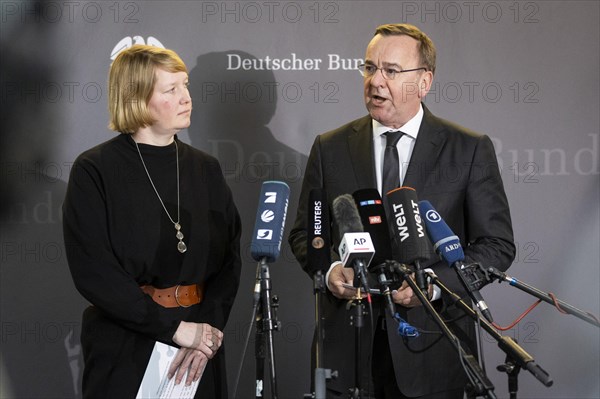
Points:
(405, 296)
(340, 282)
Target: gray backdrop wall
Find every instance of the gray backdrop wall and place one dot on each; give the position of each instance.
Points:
(524, 72)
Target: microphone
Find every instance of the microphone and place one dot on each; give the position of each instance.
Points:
(374, 221)
(356, 248)
(447, 245)
(371, 211)
(318, 255)
(410, 244)
(270, 221)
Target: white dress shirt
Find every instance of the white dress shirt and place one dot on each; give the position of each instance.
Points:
(405, 145)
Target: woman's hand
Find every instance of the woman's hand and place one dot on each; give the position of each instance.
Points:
(199, 336)
(191, 360)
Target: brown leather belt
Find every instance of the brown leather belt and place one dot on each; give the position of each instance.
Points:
(177, 296)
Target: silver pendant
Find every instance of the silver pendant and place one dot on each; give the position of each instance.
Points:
(181, 247)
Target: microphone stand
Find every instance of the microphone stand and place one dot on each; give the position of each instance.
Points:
(266, 322)
(501, 276)
(358, 321)
(420, 276)
(516, 357)
(384, 285)
(321, 375)
(481, 383)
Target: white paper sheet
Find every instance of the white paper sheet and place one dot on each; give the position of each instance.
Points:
(156, 385)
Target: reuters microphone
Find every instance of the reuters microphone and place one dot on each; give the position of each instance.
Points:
(318, 248)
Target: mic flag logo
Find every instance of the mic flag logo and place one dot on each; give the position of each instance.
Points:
(264, 234)
(318, 243)
(267, 216)
(271, 197)
(432, 216)
(375, 219)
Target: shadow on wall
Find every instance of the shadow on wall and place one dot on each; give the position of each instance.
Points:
(232, 110)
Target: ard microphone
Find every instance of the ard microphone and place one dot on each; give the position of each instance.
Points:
(447, 245)
(356, 248)
(318, 256)
(374, 221)
(410, 243)
(270, 221)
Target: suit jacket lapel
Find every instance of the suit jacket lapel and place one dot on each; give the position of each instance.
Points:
(360, 147)
(426, 152)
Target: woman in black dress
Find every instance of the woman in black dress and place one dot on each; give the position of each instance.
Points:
(152, 236)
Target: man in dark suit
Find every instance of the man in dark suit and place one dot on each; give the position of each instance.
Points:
(453, 168)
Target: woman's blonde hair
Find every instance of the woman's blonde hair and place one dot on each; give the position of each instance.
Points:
(131, 82)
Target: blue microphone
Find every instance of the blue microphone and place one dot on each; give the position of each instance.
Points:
(270, 221)
(447, 245)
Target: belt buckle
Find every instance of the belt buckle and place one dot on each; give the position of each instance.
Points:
(177, 297)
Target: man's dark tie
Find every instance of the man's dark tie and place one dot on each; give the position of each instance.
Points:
(391, 168)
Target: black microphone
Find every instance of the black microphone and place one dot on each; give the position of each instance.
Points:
(410, 244)
(270, 221)
(447, 245)
(374, 221)
(356, 248)
(318, 249)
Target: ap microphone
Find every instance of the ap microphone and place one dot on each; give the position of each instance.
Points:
(372, 215)
(410, 243)
(447, 245)
(356, 248)
(270, 221)
(318, 256)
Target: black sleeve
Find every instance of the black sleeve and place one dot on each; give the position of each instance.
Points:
(104, 282)
(488, 222)
(488, 235)
(96, 271)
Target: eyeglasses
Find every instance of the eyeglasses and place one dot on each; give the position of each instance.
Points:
(368, 70)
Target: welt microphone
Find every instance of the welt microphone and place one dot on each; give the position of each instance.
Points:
(318, 255)
(410, 243)
(447, 245)
(270, 221)
(356, 248)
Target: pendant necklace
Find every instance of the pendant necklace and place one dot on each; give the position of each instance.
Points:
(181, 247)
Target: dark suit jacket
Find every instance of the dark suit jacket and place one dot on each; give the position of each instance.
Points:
(457, 171)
